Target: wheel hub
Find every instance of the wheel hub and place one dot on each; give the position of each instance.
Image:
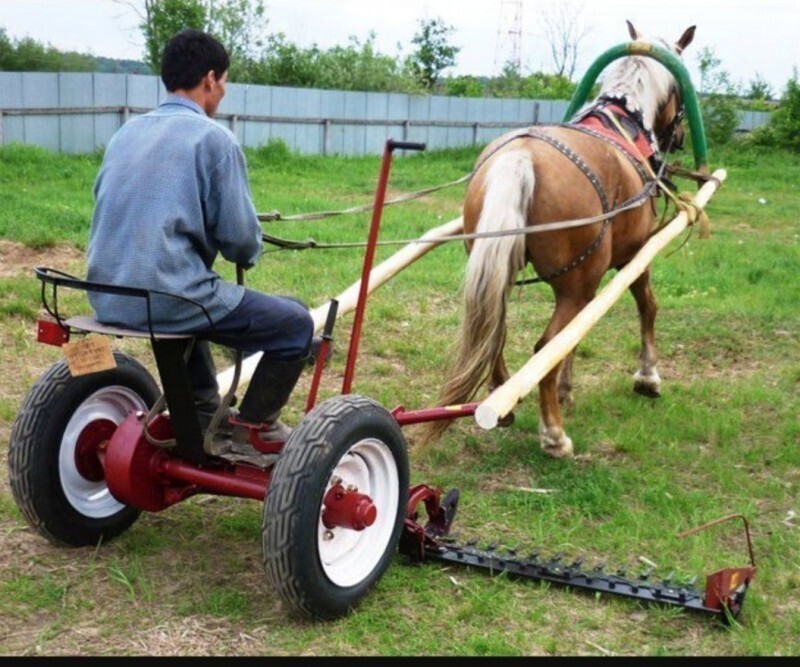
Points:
(346, 508)
(91, 440)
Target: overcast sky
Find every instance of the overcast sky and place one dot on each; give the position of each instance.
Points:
(750, 37)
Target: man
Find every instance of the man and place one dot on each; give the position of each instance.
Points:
(173, 193)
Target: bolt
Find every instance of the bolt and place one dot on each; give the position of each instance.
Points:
(327, 535)
(336, 480)
(352, 488)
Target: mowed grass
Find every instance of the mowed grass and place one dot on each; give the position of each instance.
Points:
(723, 438)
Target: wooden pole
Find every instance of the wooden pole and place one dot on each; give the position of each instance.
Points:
(503, 399)
(348, 299)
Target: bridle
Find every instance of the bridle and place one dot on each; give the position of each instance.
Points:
(666, 135)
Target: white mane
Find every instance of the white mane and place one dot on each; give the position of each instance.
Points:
(643, 81)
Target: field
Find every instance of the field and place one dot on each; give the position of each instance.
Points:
(722, 439)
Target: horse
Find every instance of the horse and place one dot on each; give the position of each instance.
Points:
(602, 167)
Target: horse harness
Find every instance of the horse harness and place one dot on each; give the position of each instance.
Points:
(628, 135)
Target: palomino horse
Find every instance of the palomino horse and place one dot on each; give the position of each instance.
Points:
(602, 162)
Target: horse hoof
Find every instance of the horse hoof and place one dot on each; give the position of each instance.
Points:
(505, 422)
(648, 385)
(555, 443)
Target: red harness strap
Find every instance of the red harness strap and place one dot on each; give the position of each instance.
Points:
(595, 122)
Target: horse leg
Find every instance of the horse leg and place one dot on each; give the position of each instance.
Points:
(565, 397)
(646, 380)
(552, 438)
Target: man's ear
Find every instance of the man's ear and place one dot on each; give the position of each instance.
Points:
(209, 79)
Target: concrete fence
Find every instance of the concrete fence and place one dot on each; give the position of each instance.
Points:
(79, 112)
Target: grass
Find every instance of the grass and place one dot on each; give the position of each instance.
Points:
(722, 439)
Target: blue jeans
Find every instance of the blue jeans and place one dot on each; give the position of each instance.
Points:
(281, 327)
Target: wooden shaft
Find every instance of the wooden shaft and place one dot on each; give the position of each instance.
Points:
(503, 399)
(348, 299)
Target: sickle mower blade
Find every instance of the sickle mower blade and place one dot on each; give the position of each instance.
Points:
(724, 594)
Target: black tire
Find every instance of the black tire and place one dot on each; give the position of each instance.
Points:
(357, 439)
(57, 497)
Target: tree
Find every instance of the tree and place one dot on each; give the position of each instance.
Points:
(358, 66)
(238, 24)
(759, 89)
(719, 104)
(28, 55)
(785, 121)
(434, 53)
(6, 49)
(709, 64)
(161, 19)
(564, 34)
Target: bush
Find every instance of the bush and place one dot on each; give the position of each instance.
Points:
(784, 125)
(720, 117)
(275, 151)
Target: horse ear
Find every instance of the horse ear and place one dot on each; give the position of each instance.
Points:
(686, 39)
(634, 33)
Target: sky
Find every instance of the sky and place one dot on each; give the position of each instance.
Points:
(751, 38)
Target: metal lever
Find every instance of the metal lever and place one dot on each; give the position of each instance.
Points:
(405, 145)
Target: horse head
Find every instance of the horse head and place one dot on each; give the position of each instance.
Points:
(659, 93)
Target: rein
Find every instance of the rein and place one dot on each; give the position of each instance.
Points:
(634, 202)
(276, 215)
(642, 165)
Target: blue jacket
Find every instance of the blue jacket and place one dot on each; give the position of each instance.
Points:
(172, 193)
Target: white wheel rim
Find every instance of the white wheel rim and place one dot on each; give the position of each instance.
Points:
(92, 498)
(349, 556)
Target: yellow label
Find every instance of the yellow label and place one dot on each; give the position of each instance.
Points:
(734, 581)
(89, 355)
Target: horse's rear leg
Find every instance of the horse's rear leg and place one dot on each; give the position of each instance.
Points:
(646, 380)
(552, 438)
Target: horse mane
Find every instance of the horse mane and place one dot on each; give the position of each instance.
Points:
(643, 82)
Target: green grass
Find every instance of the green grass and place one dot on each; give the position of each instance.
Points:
(723, 439)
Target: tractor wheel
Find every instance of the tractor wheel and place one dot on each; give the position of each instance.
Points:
(318, 571)
(56, 477)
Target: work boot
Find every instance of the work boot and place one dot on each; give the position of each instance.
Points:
(224, 429)
(270, 388)
(270, 431)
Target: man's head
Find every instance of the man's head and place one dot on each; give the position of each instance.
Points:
(196, 65)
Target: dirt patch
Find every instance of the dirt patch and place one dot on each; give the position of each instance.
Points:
(17, 258)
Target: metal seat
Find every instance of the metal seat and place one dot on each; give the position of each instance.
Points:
(90, 324)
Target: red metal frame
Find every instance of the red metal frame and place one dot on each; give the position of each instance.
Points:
(366, 269)
(141, 472)
(405, 417)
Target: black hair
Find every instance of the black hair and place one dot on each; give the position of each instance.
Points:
(188, 56)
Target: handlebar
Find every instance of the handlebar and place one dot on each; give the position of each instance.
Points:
(406, 145)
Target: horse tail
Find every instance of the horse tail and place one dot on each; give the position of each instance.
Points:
(493, 263)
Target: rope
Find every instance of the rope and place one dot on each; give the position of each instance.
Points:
(276, 215)
(682, 201)
(634, 202)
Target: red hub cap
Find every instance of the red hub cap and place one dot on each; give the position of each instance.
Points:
(348, 509)
(92, 438)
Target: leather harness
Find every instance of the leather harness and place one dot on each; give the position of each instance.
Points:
(595, 123)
